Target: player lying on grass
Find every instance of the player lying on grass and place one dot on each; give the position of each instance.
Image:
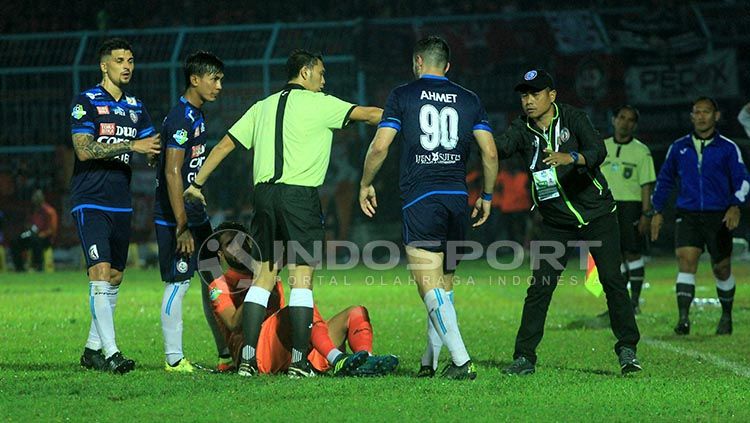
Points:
(328, 337)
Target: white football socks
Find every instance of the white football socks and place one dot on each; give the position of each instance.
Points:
(434, 344)
(443, 317)
(171, 319)
(101, 297)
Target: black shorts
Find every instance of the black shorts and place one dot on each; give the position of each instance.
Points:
(104, 235)
(628, 215)
(292, 215)
(433, 221)
(704, 230)
(173, 267)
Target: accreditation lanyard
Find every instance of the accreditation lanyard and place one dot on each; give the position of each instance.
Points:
(545, 180)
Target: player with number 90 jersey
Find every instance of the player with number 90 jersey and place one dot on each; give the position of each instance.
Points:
(436, 119)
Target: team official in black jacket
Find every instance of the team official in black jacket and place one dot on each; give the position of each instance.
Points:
(563, 152)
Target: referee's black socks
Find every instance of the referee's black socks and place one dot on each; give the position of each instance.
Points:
(685, 293)
(725, 291)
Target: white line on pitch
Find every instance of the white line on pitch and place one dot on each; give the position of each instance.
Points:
(717, 361)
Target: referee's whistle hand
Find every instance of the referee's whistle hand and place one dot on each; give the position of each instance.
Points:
(193, 195)
(485, 207)
(368, 202)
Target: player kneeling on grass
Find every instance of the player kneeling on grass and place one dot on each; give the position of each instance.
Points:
(352, 325)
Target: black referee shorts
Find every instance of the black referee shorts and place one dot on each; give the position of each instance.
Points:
(628, 215)
(704, 230)
(292, 215)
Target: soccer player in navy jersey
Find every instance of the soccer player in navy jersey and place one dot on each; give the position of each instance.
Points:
(182, 227)
(107, 127)
(438, 120)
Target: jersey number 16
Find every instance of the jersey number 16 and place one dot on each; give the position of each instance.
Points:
(438, 127)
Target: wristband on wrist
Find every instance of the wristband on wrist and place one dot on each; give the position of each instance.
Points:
(648, 213)
(574, 156)
(486, 196)
(196, 185)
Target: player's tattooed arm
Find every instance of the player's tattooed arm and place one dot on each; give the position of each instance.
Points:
(87, 148)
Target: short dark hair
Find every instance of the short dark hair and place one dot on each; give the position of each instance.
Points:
(299, 59)
(709, 99)
(631, 108)
(202, 63)
(434, 50)
(246, 244)
(106, 47)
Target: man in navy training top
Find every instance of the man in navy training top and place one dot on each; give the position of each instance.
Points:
(182, 227)
(438, 120)
(107, 127)
(713, 184)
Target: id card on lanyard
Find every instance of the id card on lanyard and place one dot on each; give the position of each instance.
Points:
(545, 180)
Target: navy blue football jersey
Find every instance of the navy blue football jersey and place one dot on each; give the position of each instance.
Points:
(436, 119)
(183, 128)
(105, 183)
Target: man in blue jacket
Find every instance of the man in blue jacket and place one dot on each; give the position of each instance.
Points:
(713, 183)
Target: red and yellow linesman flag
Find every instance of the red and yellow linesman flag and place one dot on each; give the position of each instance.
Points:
(592, 278)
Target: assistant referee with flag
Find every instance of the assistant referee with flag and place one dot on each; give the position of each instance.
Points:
(290, 133)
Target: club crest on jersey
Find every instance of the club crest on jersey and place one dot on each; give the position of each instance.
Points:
(134, 116)
(107, 129)
(78, 112)
(180, 137)
(530, 75)
(564, 135)
(93, 252)
(182, 266)
(102, 110)
(131, 100)
(119, 111)
(198, 150)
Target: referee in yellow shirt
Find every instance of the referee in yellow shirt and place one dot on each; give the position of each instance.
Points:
(290, 133)
(629, 169)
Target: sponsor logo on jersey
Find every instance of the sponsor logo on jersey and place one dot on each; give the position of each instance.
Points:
(182, 266)
(134, 116)
(180, 137)
(107, 129)
(437, 158)
(131, 100)
(121, 134)
(93, 252)
(198, 150)
(119, 111)
(102, 110)
(78, 112)
(214, 294)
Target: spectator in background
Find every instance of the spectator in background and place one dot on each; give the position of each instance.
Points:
(744, 118)
(38, 236)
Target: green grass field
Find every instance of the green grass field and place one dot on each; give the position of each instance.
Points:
(44, 320)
